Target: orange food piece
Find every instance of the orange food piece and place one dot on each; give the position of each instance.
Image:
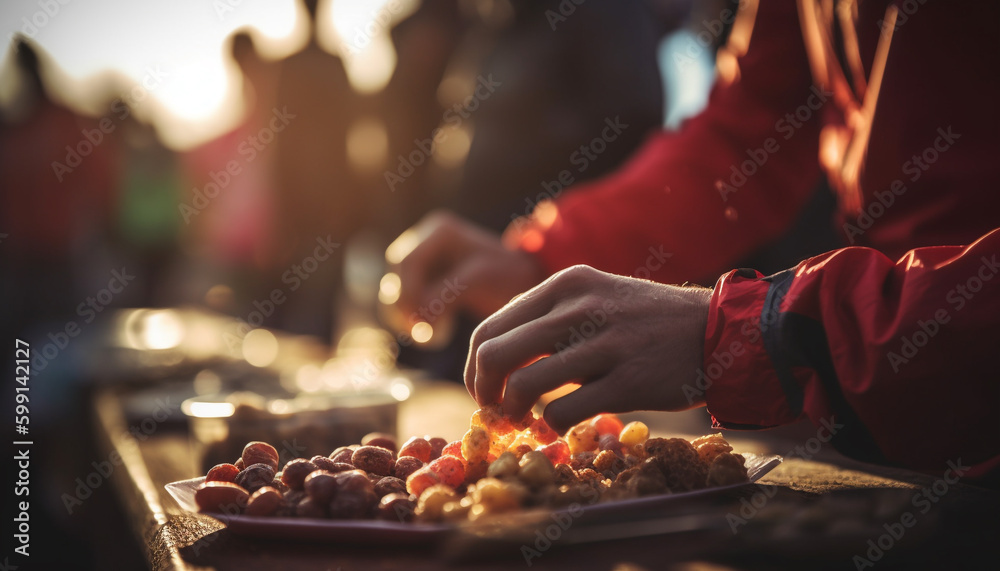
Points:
(449, 469)
(607, 424)
(475, 445)
(421, 480)
(542, 432)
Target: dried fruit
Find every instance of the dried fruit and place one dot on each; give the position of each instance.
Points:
(355, 496)
(224, 497)
(610, 442)
(320, 486)
(437, 446)
(255, 477)
(308, 507)
(343, 454)
(389, 485)
(418, 448)
(222, 473)
(264, 502)
(324, 463)
(260, 453)
(374, 459)
(405, 466)
(397, 507)
(380, 439)
(295, 472)
(499, 465)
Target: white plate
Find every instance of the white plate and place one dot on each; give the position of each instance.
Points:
(370, 531)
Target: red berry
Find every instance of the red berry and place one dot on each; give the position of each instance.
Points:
(453, 449)
(557, 452)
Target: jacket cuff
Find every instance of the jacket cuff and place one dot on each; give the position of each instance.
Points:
(742, 389)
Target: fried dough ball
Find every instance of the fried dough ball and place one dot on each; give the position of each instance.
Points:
(490, 496)
(456, 511)
(475, 445)
(492, 418)
(710, 446)
(726, 469)
(647, 479)
(679, 462)
(506, 466)
(430, 506)
(536, 470)
(499, 443)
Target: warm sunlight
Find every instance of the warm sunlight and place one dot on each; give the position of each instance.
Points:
(168, 62)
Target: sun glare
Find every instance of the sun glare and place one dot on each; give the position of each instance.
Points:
(167, 62)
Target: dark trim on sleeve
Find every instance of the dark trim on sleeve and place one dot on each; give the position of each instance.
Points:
(770, 328)
(794, 340)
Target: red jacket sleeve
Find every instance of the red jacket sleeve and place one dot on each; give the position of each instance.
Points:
(690, 204)
(895, 359)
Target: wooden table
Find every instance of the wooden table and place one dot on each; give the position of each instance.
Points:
(818, 512)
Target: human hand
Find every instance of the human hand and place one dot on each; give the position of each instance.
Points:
(446, 258)
(632, 345)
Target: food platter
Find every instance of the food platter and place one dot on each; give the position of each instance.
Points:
(399, 533)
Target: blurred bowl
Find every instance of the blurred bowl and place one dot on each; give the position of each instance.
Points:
(297, 425)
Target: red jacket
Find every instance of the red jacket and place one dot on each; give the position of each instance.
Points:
(899, 107)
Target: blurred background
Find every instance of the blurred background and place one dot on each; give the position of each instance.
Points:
(196, 197)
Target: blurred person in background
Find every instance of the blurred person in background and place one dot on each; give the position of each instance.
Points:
(56, 204)
(60, 205)
(553, 95)
(231, 238)
(875, 344)
(543, 96)
(318, 195)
